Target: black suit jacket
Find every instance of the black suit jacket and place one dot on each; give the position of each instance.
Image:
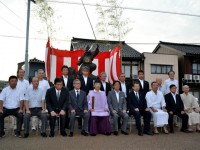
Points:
(108, 88)
(69, 83)
(128, 87)
(51, 100)
(145, 88)
(171, 105)
(89, 86)
(78, 105)
(133, 102)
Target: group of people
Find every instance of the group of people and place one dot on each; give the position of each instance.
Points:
(97, 102)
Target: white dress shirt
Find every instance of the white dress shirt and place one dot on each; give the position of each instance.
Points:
(85, 79)
(65, 80)
(167, 84)
(77, 92)
(174, 96)
(23, 85)
(11, 97)
(35, 97)
(104, 85)
(117, 95)
(123, 86)
(142, 83)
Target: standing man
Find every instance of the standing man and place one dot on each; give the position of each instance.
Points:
(124, 86)
(117, 107)
(137, 107)
(86, 81)
(35, 106)
(57, 100)
(105, 86)
(160, 86)
(11, 103)
(170, 81)
(78, 106)
(22, 83)
(144, 85)
(175, 107)
(43, 84)
(156, 103)
(67, 81)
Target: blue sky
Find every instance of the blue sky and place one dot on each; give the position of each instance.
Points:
(148, 27)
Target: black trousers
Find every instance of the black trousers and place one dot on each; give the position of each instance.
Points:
(13, 112)
(52, 122)
(184, 118)
(146, 118)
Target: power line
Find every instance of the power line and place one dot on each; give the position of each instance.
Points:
(130, 8)
(11, 24)
(21, 37)
(12, 11)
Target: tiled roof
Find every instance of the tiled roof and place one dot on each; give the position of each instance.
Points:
(127, 51)
(189, 49)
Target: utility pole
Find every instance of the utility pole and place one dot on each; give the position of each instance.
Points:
(27, 39)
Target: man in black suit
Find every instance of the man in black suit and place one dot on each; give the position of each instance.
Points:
(144, 85)
(86, 81)
(57, 102)
(67, 81)
(174, 106)
(125, 86)
(78, 106)
(137, 107)
(105, 86)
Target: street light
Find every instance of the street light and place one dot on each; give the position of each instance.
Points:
(27, 38)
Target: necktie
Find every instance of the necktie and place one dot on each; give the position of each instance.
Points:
(77, 95)
(58, 95)
(137, 96)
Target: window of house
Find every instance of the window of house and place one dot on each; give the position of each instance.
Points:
(160, 69)
(127, 70)
(196, 68)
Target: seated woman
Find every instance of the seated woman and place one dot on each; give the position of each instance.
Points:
(98, 106)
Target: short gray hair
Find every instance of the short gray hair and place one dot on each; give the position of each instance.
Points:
(39, 70)
(103, 73)
(76, 80)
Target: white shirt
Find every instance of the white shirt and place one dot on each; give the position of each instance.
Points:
(76, 91)
(65, 80)
(137, 94)
(123, 86)
(85, 79)
(117, 95)
(174, 96)
(35, 97)
(11, 97)
(155, 100)
(142, 83)
(23, 85)
(104, 85)
(167, 84)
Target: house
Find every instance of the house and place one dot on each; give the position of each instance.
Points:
(158, 65)
(131, 58)
(34, 65)
(188, 63)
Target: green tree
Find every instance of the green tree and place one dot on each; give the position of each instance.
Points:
(111, 23)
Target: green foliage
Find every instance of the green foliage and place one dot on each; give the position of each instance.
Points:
(111, 24)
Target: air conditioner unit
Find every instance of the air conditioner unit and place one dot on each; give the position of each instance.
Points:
(196, 77)
(187, 76)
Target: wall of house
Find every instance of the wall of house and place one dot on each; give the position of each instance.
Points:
(159, 59)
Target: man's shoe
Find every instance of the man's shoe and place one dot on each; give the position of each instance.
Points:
(116, 133)
(148, 133)
(17, 134)
(185, 130)
(84, 133)
(43, 134)
(107, 133)
(124, 133)
(63, 133)
(140, 133)
(171, 131)
(71, 134)
(26, 135)
(51, 134)
(2, 134)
